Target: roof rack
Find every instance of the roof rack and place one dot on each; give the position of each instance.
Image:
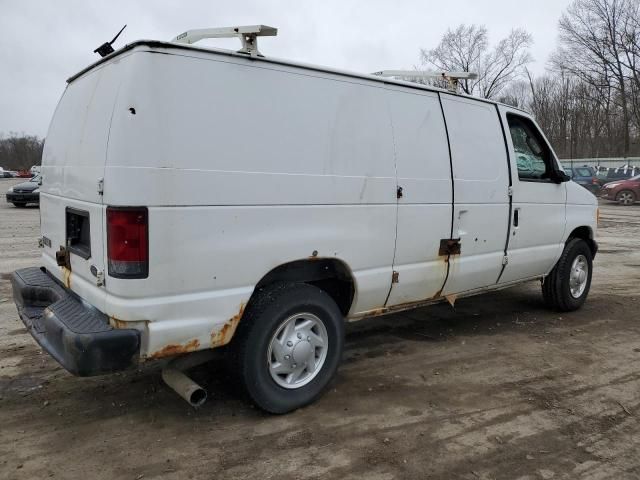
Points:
(452, 78)
(247, 34)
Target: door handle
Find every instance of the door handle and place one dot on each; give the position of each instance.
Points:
(516, 217)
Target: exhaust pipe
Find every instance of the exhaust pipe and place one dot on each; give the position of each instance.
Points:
(174, 376)
(184, 386)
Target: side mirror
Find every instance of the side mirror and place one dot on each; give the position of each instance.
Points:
(561, 177)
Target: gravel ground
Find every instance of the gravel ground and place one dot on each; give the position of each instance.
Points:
(496, 388)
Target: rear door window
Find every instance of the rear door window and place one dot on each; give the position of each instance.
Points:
(533, 156)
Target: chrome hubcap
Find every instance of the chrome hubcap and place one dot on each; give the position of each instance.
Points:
(626, 198)
(578, 276)
(297, 350)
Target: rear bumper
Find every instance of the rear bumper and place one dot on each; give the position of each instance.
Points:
(77, 335)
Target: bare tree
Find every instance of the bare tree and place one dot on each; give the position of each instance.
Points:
(580, 120)
(466, 48)
(517, 93)
(596, 45)
(20, 152)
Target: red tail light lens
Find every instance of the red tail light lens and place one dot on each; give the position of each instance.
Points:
(128, 242)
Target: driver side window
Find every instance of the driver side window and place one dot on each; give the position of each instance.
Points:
(533, 156)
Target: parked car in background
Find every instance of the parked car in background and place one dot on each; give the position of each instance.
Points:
(5, 173)
(584, 176)
(23, 193)
(35, 170)
(625, 192)
(606, 175)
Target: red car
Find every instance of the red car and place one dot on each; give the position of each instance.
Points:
(24, 174)
(625, 192)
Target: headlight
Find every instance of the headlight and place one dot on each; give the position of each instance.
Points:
(37, 190)
(10, 190)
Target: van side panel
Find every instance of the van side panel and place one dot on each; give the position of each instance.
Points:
(424, 211)
(245, 167)
(481, 181)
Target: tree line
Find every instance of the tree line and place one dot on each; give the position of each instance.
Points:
(20, 152)
(587, 102)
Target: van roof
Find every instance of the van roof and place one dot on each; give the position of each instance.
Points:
(219, 51)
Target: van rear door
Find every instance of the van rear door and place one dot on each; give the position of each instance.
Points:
(72, 214)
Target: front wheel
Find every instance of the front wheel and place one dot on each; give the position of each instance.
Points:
(626, 197)
(567, 285)
(288, 346)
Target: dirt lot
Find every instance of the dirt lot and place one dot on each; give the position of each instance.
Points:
(497, 388)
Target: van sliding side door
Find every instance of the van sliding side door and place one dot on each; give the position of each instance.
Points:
(425, 199)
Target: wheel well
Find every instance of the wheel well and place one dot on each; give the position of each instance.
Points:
(586, 234)
(328, 274)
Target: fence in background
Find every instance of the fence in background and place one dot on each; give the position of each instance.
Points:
(613, 162)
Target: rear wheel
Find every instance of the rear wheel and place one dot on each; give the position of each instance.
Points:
(19, 204)
(626, 197)
(288, 346)
(567, 285)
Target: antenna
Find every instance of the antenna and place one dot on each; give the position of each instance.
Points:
(247, 34)
(106, 48)
(452, 78)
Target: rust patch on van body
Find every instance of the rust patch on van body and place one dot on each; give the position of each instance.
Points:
(117, 323)
(176, 349)
(449, 246)
(225, 334)
(398, 308)
(66, 277)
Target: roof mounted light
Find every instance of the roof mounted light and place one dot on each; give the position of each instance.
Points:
(247, 34)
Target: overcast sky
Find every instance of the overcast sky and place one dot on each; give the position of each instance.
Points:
(42, 42)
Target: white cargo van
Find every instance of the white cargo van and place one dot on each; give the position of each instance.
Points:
(194, 198)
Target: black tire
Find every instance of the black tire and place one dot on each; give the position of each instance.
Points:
(19, 205)
(626, 197)
(264, 315)
(556, 290)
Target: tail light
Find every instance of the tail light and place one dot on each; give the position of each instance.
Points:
(594, 181)
(128, 242)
